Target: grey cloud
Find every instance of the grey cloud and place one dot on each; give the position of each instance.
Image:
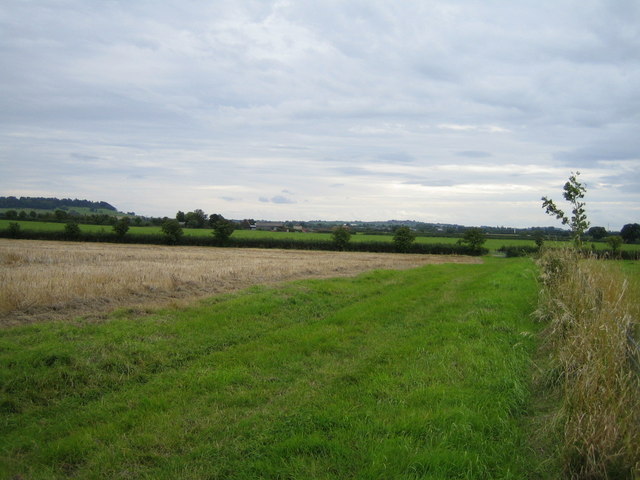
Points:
(265, 94)
(363, 171)
(628, 182)
(280, 199)
(601, 151)
(473, 154)
(353, 171)
(84, 157)
(432, 182)
(398, 157)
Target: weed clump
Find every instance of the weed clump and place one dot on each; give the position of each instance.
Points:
(591, 342)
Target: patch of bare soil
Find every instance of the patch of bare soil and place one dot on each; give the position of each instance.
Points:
(42, 280)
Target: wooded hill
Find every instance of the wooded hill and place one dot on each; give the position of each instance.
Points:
(41, 203)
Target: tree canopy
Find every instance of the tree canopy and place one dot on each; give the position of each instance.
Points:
(42, 203)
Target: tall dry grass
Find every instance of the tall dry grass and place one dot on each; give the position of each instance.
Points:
(592, 316)
(50, 277)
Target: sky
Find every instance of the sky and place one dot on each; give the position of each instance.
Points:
(464, 112)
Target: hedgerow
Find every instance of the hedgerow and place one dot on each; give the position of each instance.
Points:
(280, 243)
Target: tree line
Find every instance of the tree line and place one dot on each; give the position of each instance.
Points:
(42, 203)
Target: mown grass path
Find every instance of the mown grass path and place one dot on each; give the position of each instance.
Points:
(415, 374)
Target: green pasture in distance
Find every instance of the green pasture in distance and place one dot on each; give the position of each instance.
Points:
(422, 373)
(491, 244)
(36, 226)
(58, 227)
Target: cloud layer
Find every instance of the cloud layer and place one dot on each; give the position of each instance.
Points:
(464, 112)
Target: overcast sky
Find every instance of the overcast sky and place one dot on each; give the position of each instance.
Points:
(440, 111)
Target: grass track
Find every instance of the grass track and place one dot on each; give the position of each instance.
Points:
(415, 374)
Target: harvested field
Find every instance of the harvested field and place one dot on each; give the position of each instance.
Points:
(42, 280)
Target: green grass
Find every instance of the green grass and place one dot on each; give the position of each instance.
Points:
(492, 244)
(414, 374)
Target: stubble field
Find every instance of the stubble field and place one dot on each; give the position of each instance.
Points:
(45, 280)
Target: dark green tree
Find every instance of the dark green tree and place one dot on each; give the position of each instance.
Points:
(597, 233)
(71, 230)
(615, 242)
(573, 193)
(172, 231)
(180, 216)
(214, 218)
(538, 238)
(60, 215)
(195, 219)
(341, 236)
(121, 227)
(630, 232)
(14, 229)
(223, 229)
(474, 237)
(403, 238)
(11, 215)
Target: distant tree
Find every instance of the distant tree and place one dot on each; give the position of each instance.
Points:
(60, 215)
(180, 216)
(11, 215)
(341, 236)
(195, 219)
(474, 237)
(214, 218)
(615, 242)
(33, 214)
(223, 229)
(71, 230)
(172, 231)
(597, 233)
(121, 227)
(538, 238)
(573, 193)
(403, 238)
(630, 232)
(22, 215)
(14, 229)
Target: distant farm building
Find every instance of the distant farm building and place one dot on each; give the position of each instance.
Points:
(269, 226)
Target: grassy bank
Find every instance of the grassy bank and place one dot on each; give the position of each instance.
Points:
(591, 310)
(415, 374)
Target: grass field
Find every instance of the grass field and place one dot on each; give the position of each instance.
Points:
(422, 373)
(492, 244)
